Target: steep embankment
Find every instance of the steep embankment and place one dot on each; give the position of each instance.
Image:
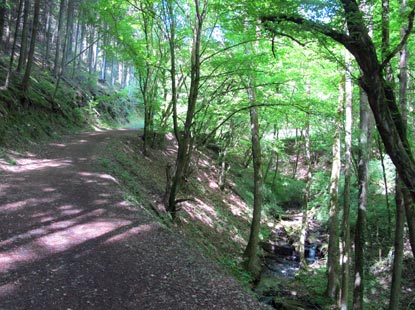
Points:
(70, 240)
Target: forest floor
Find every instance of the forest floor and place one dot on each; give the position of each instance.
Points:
(70, 240)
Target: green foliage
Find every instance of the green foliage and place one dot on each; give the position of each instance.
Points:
(314, 282)
(289, 193)
(234, 265)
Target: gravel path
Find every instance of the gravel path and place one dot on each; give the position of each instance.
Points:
(68, 240)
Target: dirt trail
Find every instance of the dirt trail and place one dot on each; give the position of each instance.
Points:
(68, 240)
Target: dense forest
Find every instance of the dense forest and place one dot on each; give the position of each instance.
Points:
(309, 103)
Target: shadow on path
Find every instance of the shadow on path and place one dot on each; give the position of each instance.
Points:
(68, 240)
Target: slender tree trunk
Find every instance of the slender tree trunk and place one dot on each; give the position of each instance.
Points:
(395, 293)
(385, 182)
(184, 143)
(16, 31)
(402, 196)
(306, 198)
(23, 41)
(30, 58)
(59, 35)
(69, 30)
(297, 155)
(77, 43)
(3, 11)
(82, 39)
(46, 53)
(346, 243)
(90, 61)
(363, 174)
(333, 268)
(271, 160)
(252, 246)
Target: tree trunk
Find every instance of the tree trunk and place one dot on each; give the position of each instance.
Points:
(360, 236)
(297, 155)
(385, 182)
(16, 31)
(46, 53)
(184, 152)
(30, 58)
(77, 44)
(402, 196)
(395, 293)
(333, 283)
(251, 249)
(90, 60)
(69, 31)
(346, 243)
(306, 200)
(59, 35)
(3, 11)
(23, 41)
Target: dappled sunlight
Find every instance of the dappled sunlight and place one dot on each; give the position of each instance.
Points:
(74, 235)
(237, 206)
(132, 232)
(59, 237)
(18, 205)
(202, 212)
(97, 175)
(60, 145)
(8, 289)
(48, 189)
(29, 164)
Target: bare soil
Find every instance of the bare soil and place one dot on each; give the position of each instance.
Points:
(69, 240)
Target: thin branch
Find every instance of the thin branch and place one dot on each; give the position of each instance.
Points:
(282, 34)
(227, 118)
(403, 41)
(225, 49)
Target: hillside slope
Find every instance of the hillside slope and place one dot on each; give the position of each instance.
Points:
(71, 240)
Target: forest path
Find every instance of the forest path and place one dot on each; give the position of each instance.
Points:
(69, 240)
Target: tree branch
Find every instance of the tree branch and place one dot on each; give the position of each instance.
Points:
(403, 41)
(340, 37)
(282, 34)
(227, 118)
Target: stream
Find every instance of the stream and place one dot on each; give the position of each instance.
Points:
(276, 285)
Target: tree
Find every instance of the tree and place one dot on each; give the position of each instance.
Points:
(381, 96)
(402, 197)
(333, 283)
(59, 36)
(184, 151)
(363, 176)
(30, 57)
(3, 10)
(23, 44)
(345, 228)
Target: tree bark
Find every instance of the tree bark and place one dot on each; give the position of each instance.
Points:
(360, 237)
(252, 246)
(184, 152)
(23, 41)
(402, 197)
(59, 35)
(30, 58)
(16, 31)
(306, 197)
(333, 268)
(3, 10)
(346, 242)
(46, 53)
